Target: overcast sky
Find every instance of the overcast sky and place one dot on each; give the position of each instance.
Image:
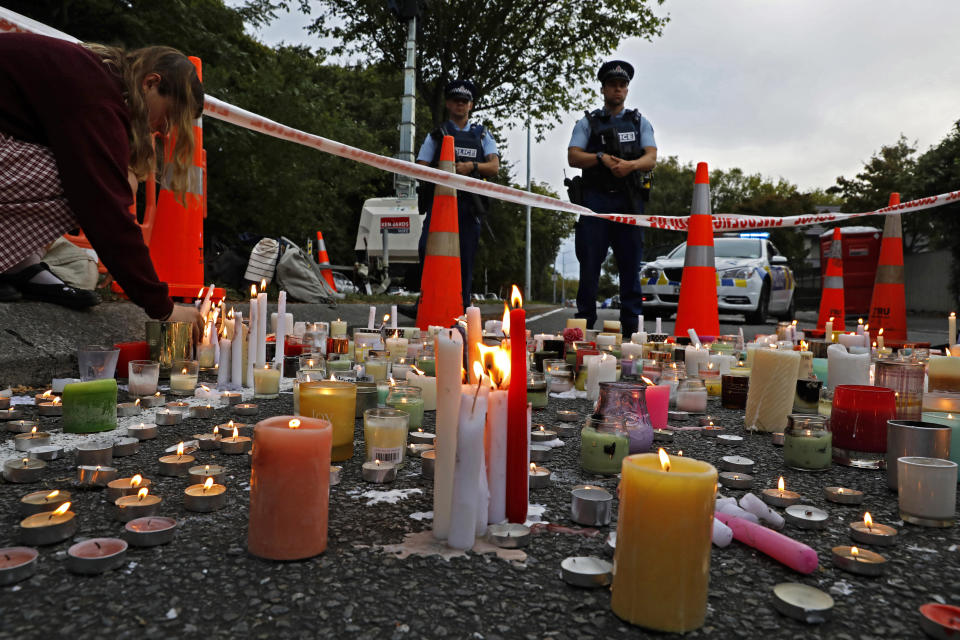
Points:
(807, 91)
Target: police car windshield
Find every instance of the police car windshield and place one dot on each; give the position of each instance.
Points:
(726, 248)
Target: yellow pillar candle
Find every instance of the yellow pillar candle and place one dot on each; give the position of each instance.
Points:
(577, 323)
(663, 542)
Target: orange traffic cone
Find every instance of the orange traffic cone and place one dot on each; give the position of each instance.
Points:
(324, 261)
(697, 308)
(831, 299)
(888, 308)
(441, 297)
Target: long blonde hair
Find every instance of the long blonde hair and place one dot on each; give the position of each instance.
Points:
(178, 80)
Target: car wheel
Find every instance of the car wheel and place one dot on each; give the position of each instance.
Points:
(758, 315)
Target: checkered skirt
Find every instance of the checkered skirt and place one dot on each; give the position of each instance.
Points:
(33, 209)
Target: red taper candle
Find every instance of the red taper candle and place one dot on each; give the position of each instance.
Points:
(518, 432)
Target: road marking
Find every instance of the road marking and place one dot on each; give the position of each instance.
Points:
(544, 315)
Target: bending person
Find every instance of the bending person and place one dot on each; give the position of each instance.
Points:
(73, 119)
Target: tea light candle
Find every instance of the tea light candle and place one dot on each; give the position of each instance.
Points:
(176, 465)
(379, 472)
(842, 495)
(50, 409)
(245, 409)
(16, 564)
(539, 477)
(416, 450)
(940, 620)
(867, 531)
(142, 431)
(178, 405)
(11, 414)
(46, 396)
(662, 435)
(23, 470)
(586, 571)
(48, 528)
(95, 453)
(99, 476)
(231, 398)
(428, 463)
(151, 402)
(166, 417)
(591, 506)
(42, 501)
(678, 416)
(739, 464)
(540, 453)
(199, 474)
(729, 439)
(422, 437)
(568, 416)
(858, 561)
(208, 441)
(46, 453)
(126, 486)
(201, 411)
(736, 480)
(806, 517)
(802, 602)
(125, 446)
(127, 409)
(542, 435)
(96, 555)
(780, 497)
(184, 381)
(509, 535)
(335, 473)
(27, 441)
(21, 426)
(204, 498)
(235, 445)
(150, 531)
(141, 505)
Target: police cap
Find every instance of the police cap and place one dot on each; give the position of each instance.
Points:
(462, 89)
(615, 69)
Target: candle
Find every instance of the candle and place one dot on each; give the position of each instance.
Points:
(28, 441)
(928, 491)
(200, 474)
(183, 377)
(869, 532)
(338, 328)
(448, 370)
(604, 443)
(266, 381)
(495, 446)
(791, 553)
(385, 434)
(95, 453)
(427, 386)
(842, 495)
(663, 541)
(859, 561)
(251, 338)
(858, 422)
(695, 357)
(125, 487)
(828, 330)
(261, 326)
(577, 323)
(773, 381)
(944, 373)
(141, 505)
(205, 351)
(586, 571)
(49, 528)
(289, 488)
(90, 406)
(335, 401)
(692, 396)
(282, 330)
(225, 366)
(913, 438)
(42, 501)
(518, 430)
(142, 377)
(175, 465)
(379, 472)
(590, 506)
(150, 531)
(780, 497)
(204, 498)
(234, 445)
(123, 447)
(539, 477)
(167, 417)
(600, 368)
(236, 351)
(952, 329)
(807, 443)
(16, 564)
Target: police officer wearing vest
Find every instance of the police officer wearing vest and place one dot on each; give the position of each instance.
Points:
(476, 156)
(614, 147)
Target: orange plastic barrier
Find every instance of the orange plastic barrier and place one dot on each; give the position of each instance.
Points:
(697, 308)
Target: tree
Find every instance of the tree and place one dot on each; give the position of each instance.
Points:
(529, 59)
(938, 171)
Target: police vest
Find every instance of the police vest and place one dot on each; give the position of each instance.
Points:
(616, 136)
(467, 147)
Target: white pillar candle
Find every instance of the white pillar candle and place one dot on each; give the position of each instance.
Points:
(773, 385)
(372, 318)
(695, 358)
(495, 446)
(659, 326)
(223, 373)
(393, 316)
(846, 368)
(828, 330)
(397, 348)
(483, 494)
(722, 362)
(465, 464)
(806, 365)
(606, 340)
(205, 305)
(631, 350)
(640, 326)
(493, 327)
(601, 368)
(851, 340)
(236, 357)
(449, 366)
(428, 389)
(640, 337)
(261, 330)
(282, 329)
(952, 329)
(289, 325)
(251, 343)
(474, 338)
(860, 327)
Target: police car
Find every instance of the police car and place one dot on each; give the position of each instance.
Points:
(752, 278)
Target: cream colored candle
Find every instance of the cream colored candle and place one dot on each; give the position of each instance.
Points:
(577, 323)
(428, 389)
(338, 328)
(806, 365)
(773, 382)
(943, 373)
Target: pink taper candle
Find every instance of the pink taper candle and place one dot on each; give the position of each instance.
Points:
(788, 551)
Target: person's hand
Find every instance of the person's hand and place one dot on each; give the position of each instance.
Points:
(188, 313)
(622, 169)
(464, 168)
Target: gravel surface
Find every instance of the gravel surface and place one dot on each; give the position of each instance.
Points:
(205, 583)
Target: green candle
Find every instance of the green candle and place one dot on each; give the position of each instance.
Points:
(427, 364)
(602, 452)
(91, 406)
(339, 365)
(411, 406)
(807, 449)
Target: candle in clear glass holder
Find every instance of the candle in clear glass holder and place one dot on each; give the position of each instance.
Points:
(537, 390)
(692, 396)
(604, 443)
(266, 381)
(906, 380)
(385, 434)
(376, 368)
(409, 400)
(858, 421)
(807, 443)
(334, 400)
(183, 377)
(143, 376)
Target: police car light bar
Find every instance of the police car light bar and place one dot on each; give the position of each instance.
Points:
(756, 234)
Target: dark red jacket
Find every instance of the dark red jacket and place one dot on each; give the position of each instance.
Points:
(61, 95)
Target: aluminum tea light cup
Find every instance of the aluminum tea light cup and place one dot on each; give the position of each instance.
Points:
(335, 473)
(739, 464)
(662, 435)
(167, 417)
(591, 506)
(201, 411)
(96, 452)
(32, 440)
(858, 561)
(235, 445)
(150, 531)
(23, 470)
(5, 402)
(152, 402)
(568, 416)
(125, 446)
(422, 437)
(805, 516)
(204, 498)
(566, 430)
(428, 461)
(802, 602)
(11, 414)
(245, 409)
(48, 528)
(728, 439)
(177, 464)
(127, 409)
(867, 531)
(539, 477)
(179, 406)
(540, 453)
(52, 409)
(125, 487)
(509, 535)
(735, 480)
(542, 434)
(42, 501)
(415, 450)
(143, 431)
(843, 495)
(940, 621)
(777, 438)
(231, 398)
(379, 472)
(208, 441)
(96, 555)
(139, 505)
(46, 453)
(95, 476)
(200, 473)
(780, 497)
(243, 428)
(22, 426)
(586, 571)
(16, 564)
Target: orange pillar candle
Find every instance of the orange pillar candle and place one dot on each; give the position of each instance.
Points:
(663, 541)
(289, 488)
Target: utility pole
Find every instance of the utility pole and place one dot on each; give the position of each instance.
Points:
(528, 284)
(406, 187)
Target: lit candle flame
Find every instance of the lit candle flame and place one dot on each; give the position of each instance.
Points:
(56, 400)
(26, 462)
(236, 432)
(46, 394)
(880, 333)
(416, 371)
(477, 369)
(516, 300)
(648, 380)
(386, 317)
(207, 484)
(780, 485)
(184, 371)
(53, 494)
(62, 509)
(216, 430)
(263, 284)
(136, 480)
(204, 387)
(533, 467)
(206, 470)
(33, 431)
(867, 520)
(855, 553)
(200, 293)
(137, 402)
(157, 394)
(294, 424)
(506, 320)
(377, 462)
(840, 491)
(180, 449)
(142, 493)
(664, 459)
(253, 291)
(541, 428)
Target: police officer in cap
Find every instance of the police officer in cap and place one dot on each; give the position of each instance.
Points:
(614, 147)
(476, 156)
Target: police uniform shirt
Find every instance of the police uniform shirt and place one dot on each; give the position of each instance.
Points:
(581, 132)
(429, 147)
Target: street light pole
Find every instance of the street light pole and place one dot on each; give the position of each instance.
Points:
(528, 284)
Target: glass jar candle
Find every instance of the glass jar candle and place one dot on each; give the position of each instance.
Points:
(266, 381)
(561, 378)
(807, 443)
(183, 377)
(733, 390)
(376, 367)
(400, 367)
(906, 380)
(603, 445)
(670, 376)
(651, 369)
(711, 380)
(536, 390)
(302, 376)
(540, 357)
(858, 421)
(143, 376)
(692, 396)
(427, 364)
(339, 365)
(807, 398)
(336, 401)
(385, 434)
(366, 397)
(825, 405)
(314, 363)
(410, 400)
(627, 400)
